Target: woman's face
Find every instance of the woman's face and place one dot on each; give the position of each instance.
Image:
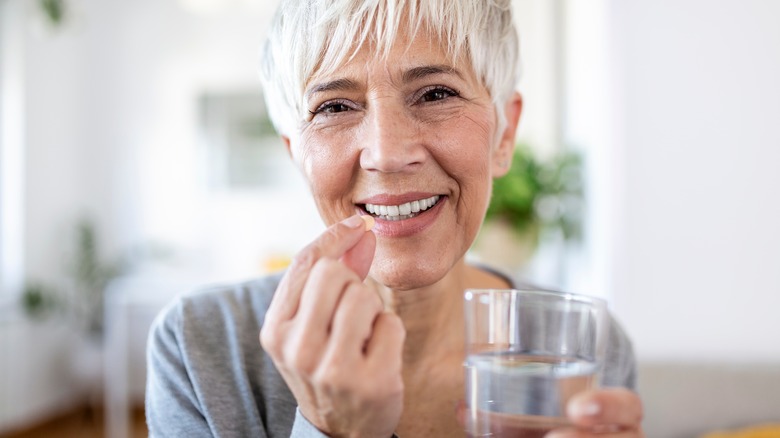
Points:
(412, 141)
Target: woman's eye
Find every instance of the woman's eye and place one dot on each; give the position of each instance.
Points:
(436, 94)
(331, 108)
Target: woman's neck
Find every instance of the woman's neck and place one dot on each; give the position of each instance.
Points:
(433, 315)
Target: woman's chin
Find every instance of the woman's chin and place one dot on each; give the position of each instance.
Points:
(401, 278)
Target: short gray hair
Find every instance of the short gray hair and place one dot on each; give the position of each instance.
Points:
(317, 36)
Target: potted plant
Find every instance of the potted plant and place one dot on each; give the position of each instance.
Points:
(79, 304)
(536, 200)
(54, 11)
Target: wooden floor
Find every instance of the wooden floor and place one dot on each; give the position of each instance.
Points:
(81, 424)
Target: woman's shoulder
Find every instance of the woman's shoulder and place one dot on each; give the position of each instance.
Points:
(226, 299)
(205, 358)
(620, 362)
(224, 309)
(213, 325)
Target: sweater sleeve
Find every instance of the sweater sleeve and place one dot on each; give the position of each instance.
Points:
(172, 406)
(620, 363)
(302, 428)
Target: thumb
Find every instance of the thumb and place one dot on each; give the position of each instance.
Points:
(359, 257)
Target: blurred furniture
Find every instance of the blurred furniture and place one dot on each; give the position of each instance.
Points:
(690, 400)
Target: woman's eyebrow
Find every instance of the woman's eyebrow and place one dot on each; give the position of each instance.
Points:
(413, 74)
(416, 73)
(335, 85)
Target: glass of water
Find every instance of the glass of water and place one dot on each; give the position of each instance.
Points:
(527, 353)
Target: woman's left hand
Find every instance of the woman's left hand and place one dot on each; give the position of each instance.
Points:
(600, 413)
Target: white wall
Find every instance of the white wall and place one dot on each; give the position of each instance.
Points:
(690, 107)
(33, 369)
(11, 155)
(113, 135)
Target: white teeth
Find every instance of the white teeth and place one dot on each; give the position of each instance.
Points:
(403, 211)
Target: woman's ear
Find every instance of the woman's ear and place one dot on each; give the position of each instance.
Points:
(502, 156)
(286, 141)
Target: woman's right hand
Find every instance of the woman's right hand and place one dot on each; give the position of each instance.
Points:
(328, 334)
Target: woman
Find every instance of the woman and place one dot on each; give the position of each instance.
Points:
(399, 114)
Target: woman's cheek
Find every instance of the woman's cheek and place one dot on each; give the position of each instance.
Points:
(329, 178)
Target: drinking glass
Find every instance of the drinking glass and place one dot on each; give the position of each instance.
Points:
(527, 353)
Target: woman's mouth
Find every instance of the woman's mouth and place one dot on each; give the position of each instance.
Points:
(403, 211)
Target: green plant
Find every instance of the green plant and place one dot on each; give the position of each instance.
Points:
(38, 301)
(54, 10)
(91, 275)
(540, 195)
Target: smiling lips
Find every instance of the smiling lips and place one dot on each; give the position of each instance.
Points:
(403, 211)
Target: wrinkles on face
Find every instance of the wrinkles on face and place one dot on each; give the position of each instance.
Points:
(420, 123)
(319, 161)
(481, 125)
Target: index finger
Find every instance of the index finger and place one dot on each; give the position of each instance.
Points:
(333, 243)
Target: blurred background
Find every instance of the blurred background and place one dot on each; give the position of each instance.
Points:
(137, 162)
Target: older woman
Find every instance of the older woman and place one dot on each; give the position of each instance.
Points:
(399, 114)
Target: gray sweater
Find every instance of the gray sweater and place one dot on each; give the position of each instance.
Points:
(209, 376)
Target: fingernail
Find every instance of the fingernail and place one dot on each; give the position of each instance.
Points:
(585, 409)
(561, 434)
(357, 221)
(353, 221)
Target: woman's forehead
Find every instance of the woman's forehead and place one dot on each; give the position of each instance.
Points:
(405, 60)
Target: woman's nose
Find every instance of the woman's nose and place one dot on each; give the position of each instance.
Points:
(392, 142)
